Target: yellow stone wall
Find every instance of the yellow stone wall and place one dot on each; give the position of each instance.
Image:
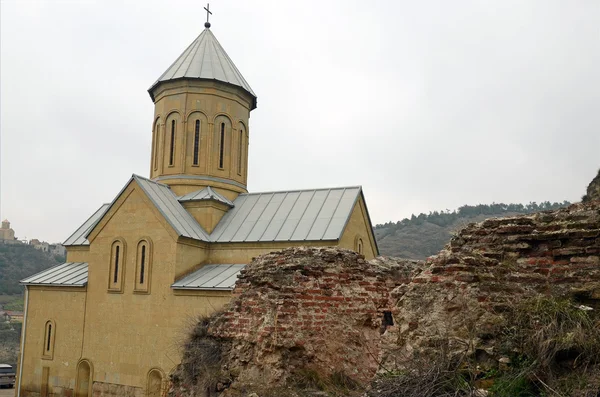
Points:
(358, 227)
(212, 103)
(65, 307)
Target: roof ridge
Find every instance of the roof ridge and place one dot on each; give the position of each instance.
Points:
(303, 190)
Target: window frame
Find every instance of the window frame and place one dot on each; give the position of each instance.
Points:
(172, 145)
(240, 151)
(117, 265)
(49, 338)
(222, 132)
(143, 288)
(196, 143)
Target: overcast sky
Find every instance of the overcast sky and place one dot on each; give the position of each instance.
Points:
(428, 105)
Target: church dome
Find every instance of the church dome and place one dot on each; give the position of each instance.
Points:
(205, 59)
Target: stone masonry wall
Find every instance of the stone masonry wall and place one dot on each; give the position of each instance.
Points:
(485, 270)
(310, 307)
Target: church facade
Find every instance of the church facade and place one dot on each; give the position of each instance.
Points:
(167, 249)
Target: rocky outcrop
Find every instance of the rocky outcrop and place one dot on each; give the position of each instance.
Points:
(593, 190)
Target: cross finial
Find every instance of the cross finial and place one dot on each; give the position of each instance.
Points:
(208, 14)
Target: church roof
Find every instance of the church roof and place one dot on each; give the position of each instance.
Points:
(296, 215)
(79, 237)
(299, 215)
(70, 274)
(166, 202)
(205, 194)
(205, 59)
(211, 277)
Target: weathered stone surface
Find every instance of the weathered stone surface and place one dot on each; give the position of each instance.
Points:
(593, 190)
(329, 309)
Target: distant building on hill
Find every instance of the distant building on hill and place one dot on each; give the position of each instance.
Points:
(39, 245)
(6, 233)
(14, 316)
(53, 249)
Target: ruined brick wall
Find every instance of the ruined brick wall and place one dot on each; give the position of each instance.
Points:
(321, 308)
(489, 267)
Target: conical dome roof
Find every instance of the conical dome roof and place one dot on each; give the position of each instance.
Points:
(205, 59)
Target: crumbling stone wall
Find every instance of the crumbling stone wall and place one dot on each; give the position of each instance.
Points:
(325, 308)
(593, 190)
(318, 308)
(486, 269)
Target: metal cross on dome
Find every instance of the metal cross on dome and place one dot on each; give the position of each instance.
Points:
(208, 14)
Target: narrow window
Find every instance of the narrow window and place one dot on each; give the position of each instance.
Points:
(116, 266)
(222, 145)
(240, 149)
(196, 141)
(172, 152)
(116, 272)
(156, 138)
(48, 337)
(48, 346)
(142, 264)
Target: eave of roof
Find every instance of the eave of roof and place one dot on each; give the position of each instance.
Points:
(69, 274)
(211, 278)
(79, 236)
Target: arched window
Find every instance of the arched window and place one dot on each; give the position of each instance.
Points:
(156, 142)
(142, 267)
(154, 383)
(172, 148)
(49, 335)
(240, 151)
(196, 142)
(117, 266)
(84, 380)
(222, 146)
(359, 245)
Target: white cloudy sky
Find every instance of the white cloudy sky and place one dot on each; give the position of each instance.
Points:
(429, 105)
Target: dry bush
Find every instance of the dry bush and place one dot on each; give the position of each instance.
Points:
(202, 359)
(553, 333)
(438, 374)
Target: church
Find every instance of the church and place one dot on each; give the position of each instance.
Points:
(168, 248)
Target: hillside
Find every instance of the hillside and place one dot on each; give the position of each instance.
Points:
(426, 234)
(18, 261)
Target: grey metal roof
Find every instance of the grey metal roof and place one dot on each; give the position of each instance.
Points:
(205, 194)
(79, 237)
(205, 59)
(166, 201)
(210, 277)
(301, 215)
(70, 274)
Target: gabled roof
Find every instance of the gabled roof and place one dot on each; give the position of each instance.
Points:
(205, 59)
(300, 215)
(79, 237)
(205, 194)
(166, 202)
(297, 215)
(211, 277)
(70, 274)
